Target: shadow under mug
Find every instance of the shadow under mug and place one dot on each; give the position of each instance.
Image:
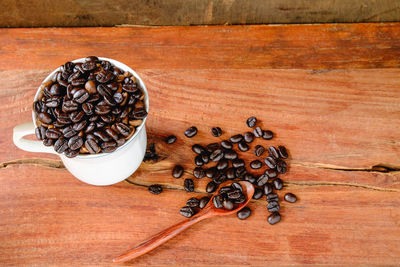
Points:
(95, 169)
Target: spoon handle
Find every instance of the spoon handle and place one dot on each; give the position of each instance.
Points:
(158, 239)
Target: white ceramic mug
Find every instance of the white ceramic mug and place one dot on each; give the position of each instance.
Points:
(96, 169)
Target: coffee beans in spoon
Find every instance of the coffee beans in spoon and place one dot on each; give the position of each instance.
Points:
(93, 107)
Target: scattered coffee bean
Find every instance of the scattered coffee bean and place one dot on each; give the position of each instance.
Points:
(258, 132)
(198, 160)
(256, 164)
(217, 155)
(203, 202)
(187, 212)
(211, 172)
(262, 180)
(211, 187)
(230, 173)
(273, 206)
(272, 197)
(237, 163)
(222, 164)
(237, 186)
(155, 189)
(274, 218)
(236, 138)
(250, 178)
(192, 202)
(188, 185)
(271, 173)
(216, 131)
(267, 135)
(244, 213)
(278, 184)
(199, 172)
(91, 146)
(240, 172)
(248, 137)
(230, 154)
(226, 144)
(205, 156)
(258, 193)
(282, 152)
(270, 162)
(61, 145)
(281, 166)
(259, 150)
(243, 146)
(212, 147)
(170, 139)
(273, 152)
(177, 171)
(289, 197)
(267, 189)
(251, 122)
(197, 148)
(190, 132)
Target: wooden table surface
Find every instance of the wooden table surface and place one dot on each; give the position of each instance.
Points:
(330, 93)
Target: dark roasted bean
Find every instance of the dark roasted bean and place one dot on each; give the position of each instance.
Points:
(282, 152)
(79, 81)
(212, 147)
(240, 200)
(258, 132)
(48, 142)
(112, 134)
(217, 155)
(104, 76)
(40, 132)
(248, 137)
(198, 160)
(258, 193)
(61, 145)
(103, 90)
(236, 163)
(71, 153)
(170, 139)
(75, 142)
(199, 172)
(79, 125)
(270, 162)
(271, 173)
(256, 164)
(281, 166)
(234, 194)
(53, 102)
(243, 146)
(211, 172)
(230, 173)
(259, 150)
(109, 100)
(45, 118)
(109, 148)
(188, 184)
(192, 202)
(205, 156)
(228, 205)
(100, 124)
(102, 135)
(76, 116)
(81, 96)
(216, 131)
(177, 171)
(203, 202)
(289, 197)
(219, 178)
(217, 201)
(226, 144)
(53, 133)
(130, 88)
(278, 184)
(237, 186)
(211, 187)
(123, 129)
(196, 148)
(69, 106)
(92, 146)
(90, 128)
(267, 135)
(273, 206)
(251, 122)
(272, 197)
(118, 98)
(230, 154)
(102, 109)
(244, 213)
(187, 212)
(225, 189)
(274, 218)
(262, 180)
(68, 132)
(250, 178)
(236, 138)
(222, 164)
(273, 152)
(267, 188)
(56, 90)
(190, 132)
(120, 142)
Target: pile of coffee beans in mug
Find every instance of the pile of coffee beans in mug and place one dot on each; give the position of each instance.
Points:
(228, 166)
(88, 108)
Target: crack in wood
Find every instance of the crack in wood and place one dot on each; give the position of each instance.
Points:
(368, 187)
(48, 163)
(383, 168)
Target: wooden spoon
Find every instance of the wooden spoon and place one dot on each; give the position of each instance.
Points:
(207, 212)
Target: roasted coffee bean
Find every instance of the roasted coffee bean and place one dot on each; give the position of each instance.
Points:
(270, 162)
(274, 218)
(267, 135)
(177, 171)
(130, 88)
(45, 118)
(278, 184)
(289, 197)
(48, 142)
(258, 132)
(256, 164)
(192, 202)
(38, 106)
(104, 76)
(212, 147)
(259, 150)
(94, 118)
(272, 197)
(68, 132)
(251, 122)
(118, 98)
(267, 189)
(75, 142)
(234, 194)
(81, 96)
(282, 152)
(102, 135)
(237, 163)
(205, 157)
(281, 166)
(170, 139)
(71, 153)
(110, 101)
(120, 142)
(230, 173)
(248, 137)
(262, 180)
(53, 102)
(91, 58)
(250, 178)
(114, 85)
(92, 146)
(237, 186)
(111, 145)
(78, 82)
(203, 202)
(56, 90)
(216, 131)
(226, 144)
(88, 108)
(243, 146)
(79, 125)
(219, 178)
(40, 132)
(273, 152)
(61, 145)
(199, 172)
(187, 212)
(240, 172)
(93, 98)
(217, 155)
(198, 160)
(76, 116)
(53, 133)
(217, 201)
(123, 129)
(196, 148)
(211, 187)
(227, 204)
(103, 90)
(273, 206)
(107, 119)
(190, 132)
(236, 138)
(89, 65)
(244, 213)
(90, 127)
(69, 106)
(230, 154)
(112, 134)
(102, 109)
(258, 193)
(188, 184)
(211, 172)
(225, 189)
(240, 200)
(222, 164)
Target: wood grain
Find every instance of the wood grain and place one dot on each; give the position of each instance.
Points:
(340, 126)
(47, 13)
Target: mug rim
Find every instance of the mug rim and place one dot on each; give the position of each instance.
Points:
(124, 68)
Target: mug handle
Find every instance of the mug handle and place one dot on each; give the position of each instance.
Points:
(27, 128)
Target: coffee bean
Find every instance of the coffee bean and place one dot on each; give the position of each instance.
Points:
(216, 131)
(236, 138)
(88, 108)
(123, 129)
(92, 146)
(226, 144)
(192, 202)
(230, 154)
(53, 102)
(199, 172)
(205, 157)
(222, 164)
(69, 153)
(203, 202)
(240, 200)
(53, 133)
(56, 90)
(278, 184)
(196, 148)
(61, 145)
(258, 193)
(259, 150)
(240, 172)
(76, 116)
(188, 185)
(282, 152)
(256, 164)
(211, 172)
(139, 114)
(40, 132)
(267, 135)
(212, 147)
(248, 137)
(118, 98)
(155, 189)
(267, 189)
(274, 218)
(79, 125)
(104, 76)
(281, 166)
(227, 204)
(244, 213)
(250, 178)
(81, 96)
(219, 178)
(48, 142)
(68, 132)
(75, 142)
(273, 152)
(237, 163)
(230, 173)
(270, 162)
(273, 206)
(234, 194)
(258, 132)
(251, 122)
(237, 186)
(90, 127)
(45, 118)
(170, 139)
(262, 180)
(198, 160)
(243, 146)
(108, 146)
(102, 135)
(217, 201)
(217, 155)
(272, 197)
(225, 189)
(177, 171)
(187, 212)
(69, 106)
(289, 197)
(211, 187)
(102, 109)
(271, 173)
(190, 132)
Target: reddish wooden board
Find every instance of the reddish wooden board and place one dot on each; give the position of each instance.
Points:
(340, 125)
